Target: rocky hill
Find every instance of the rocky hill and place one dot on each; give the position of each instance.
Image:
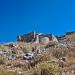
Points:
(39, 54)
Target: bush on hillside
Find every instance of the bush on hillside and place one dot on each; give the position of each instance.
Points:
(44, 56)
(58, 53)
(46, 69)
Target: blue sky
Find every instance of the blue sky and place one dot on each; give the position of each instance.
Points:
(46, 16)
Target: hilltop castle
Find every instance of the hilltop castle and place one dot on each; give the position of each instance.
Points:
(37, 37)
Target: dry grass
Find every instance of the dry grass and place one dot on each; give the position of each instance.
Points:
(6, 72)
(43, 68)
(46, 69)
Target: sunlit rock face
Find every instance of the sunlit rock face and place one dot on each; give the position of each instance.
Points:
(44, 40)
